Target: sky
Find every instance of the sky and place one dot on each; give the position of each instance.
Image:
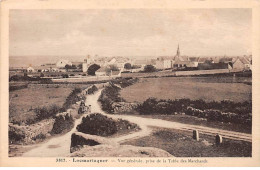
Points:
(130, 32)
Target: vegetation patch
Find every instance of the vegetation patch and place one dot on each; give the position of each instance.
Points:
(101, 125)
(92, 89)
(72, 99)
(63, 123)
(224, 111)
(111, 93)
(181, 144)
(108, 96)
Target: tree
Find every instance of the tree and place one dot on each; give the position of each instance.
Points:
(80, 66)
(149, 68)
(127, 66)
(92, 69)
(70, 67)
(113, 68)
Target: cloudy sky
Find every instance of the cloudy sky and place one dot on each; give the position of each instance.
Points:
(130, 32)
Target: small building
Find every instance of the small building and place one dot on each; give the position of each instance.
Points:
(163, 63)
(241, 63)
(30, 70)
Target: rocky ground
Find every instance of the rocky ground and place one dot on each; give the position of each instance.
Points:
(83, 145)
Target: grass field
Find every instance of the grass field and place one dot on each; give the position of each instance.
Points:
(24, 101)
(201, 122)
(180, 144)
(205, 88)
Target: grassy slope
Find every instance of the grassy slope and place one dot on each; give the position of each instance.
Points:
(207, 89)
(21, 107)
(181, 144)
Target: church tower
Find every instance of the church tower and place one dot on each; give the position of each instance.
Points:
(178, 51)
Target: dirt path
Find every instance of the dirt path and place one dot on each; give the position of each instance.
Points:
(56, 146)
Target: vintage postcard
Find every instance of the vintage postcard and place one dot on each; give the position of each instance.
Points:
(118, 83)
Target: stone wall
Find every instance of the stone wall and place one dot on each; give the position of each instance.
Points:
(29, 134)
(121, 107)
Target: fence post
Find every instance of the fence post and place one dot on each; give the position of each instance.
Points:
(219, 139)
(196, 135)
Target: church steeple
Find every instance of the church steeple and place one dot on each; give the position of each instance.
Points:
(178, 51)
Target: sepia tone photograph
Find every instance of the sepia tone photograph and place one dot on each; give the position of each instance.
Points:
(130, 83)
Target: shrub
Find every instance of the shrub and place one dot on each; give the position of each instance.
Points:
(65, 76)
(72, 99)
(92, 69)
(225, 111)
(128, 66)
(72, 74)
(46, 112)
(108, 96)
(15, 137)
(149, 68)
(98, 124)
(63, 123)
(92, 90)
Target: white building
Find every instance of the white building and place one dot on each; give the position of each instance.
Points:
(163, 63)
(241, 63)
(30, 69)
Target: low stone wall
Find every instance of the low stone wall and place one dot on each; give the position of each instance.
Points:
(121, 107)
(178, 73)
(29, 134)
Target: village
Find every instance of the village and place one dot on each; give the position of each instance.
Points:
(119, 66)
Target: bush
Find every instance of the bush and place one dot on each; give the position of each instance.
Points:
(15, 137)
(224, 111)
(65, 76)
(128, 66)
(92, 90)
(108, 96)
(72, 99)
(101, 125)
(149, 68)
(63, 123)
(92, 69)
(72, 74)
(46, 112)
